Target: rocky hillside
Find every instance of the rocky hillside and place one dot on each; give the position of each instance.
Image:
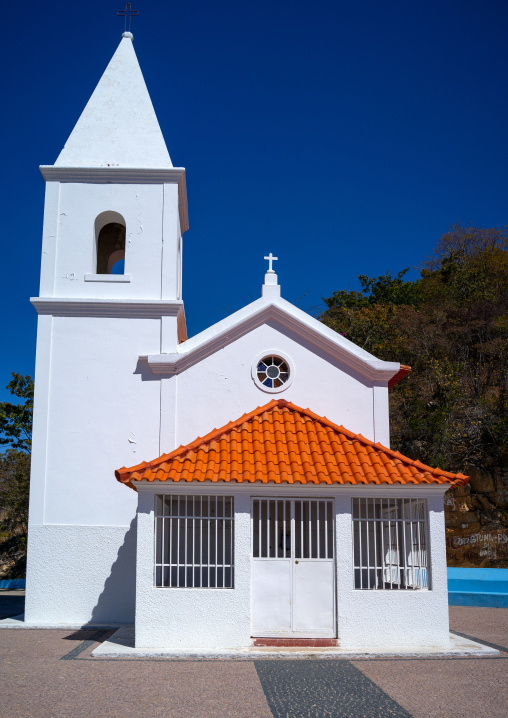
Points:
(477, 521)
(12, 556)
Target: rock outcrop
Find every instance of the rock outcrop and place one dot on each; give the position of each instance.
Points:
(476, 518)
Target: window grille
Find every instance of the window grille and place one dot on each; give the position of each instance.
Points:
(271, 528)
(193, 541)
(390, 544)
(312, 531)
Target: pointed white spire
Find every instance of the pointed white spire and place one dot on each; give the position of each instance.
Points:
(118, 127)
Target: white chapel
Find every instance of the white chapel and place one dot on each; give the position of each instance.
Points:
(227, 490)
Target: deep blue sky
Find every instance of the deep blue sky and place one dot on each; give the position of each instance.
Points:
(343, 136)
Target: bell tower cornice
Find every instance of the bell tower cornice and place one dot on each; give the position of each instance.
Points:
(124, 175)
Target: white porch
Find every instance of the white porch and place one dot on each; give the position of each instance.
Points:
(201, 618)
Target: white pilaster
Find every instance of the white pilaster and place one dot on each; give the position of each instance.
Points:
(49, 239)
(381, 413)
(170, 244)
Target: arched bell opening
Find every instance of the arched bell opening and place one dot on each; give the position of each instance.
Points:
(110, 232)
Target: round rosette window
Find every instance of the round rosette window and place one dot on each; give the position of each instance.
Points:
(272, 372)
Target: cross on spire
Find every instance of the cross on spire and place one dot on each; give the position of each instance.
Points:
(270, 259)
(128, 12)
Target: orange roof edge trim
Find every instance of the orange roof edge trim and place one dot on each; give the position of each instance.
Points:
(309, 455)
(403, 372)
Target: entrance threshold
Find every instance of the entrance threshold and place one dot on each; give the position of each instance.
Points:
(297, 642)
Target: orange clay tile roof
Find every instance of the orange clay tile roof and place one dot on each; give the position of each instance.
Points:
(282, 443)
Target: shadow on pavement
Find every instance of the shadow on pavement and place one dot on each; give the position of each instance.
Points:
(12, 603)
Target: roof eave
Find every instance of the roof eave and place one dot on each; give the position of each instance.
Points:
(258, 312)
(401, 374)
(148, 471)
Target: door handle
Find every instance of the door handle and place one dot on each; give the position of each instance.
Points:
(296, 561)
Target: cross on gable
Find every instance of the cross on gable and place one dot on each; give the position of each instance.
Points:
(270, 259)
(128, 12)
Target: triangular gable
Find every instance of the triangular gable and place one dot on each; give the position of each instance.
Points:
(275, 309)
(283, 443)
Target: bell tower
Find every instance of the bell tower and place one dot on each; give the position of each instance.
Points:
(110, 292)
(116, 208)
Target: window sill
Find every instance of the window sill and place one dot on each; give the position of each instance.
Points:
(107, 277)
(193, 588)
(409, 589)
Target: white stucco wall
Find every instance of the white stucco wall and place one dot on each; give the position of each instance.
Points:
(223, 388)
(95, 409)
(103, 412)
(197, 617)
(150, 212)
(220, 618)
(81, 574)
(96, 406)
(392, 618)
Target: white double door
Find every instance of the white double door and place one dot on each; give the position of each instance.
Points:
(293, 568)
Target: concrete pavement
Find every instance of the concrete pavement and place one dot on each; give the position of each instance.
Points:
(50, 673)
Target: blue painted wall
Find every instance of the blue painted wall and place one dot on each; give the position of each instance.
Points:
(478, 587)
(13, 583)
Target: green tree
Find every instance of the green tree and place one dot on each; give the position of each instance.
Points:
(451, 327)
(16, 434)
(16, 419)
(14, 490)
(384, 289)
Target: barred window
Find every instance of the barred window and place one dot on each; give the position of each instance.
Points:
(390, 543)
(193, 541)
